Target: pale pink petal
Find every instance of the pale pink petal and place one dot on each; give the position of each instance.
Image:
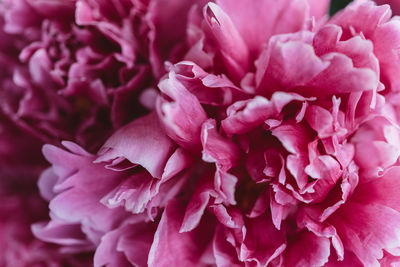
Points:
(133, 193)
(80, 186)
(256, 28)
(243, 116)
(362, 16)
(247, 114)
(209, 89)
(125, 246)
(343, 77)
(141, 142)
(278, 68)
(318, 8)
(63, 233)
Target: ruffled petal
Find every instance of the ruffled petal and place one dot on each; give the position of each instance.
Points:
(132, 143)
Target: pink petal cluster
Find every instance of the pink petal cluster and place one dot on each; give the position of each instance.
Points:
(77, 70)
(238, 133)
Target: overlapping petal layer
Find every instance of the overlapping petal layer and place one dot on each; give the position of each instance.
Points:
(245, 133)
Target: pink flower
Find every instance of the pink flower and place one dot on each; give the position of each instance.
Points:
(274, 142)
(290, 135)
(76, 70)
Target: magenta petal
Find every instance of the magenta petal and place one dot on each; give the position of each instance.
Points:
(381, 190)
(224, 252)
(231, 45)
(178, 162)
(168, 24)
(390, 260)
(381, 138)
(173, 248)
(255, 28)
(320, 120)
(261, 247)
(361, 51)
(217, 149)
(278, 68)
(348, 77)
(327, 171)
(141, 192)
(339, 69)
(349, 260)
(363, 16)
(386, 51)
(296, 165)
(197, 205)
(307, 250)
(209, 89)
(106, 254)
(280, 205)
(365, 233)
(293, 137)
(243, 116)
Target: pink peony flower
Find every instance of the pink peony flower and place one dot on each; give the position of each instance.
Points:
(274, 142)
(289, 135)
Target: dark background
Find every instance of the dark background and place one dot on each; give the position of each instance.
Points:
(336, 5)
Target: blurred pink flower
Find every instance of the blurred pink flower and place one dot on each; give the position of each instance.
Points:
(18, 245)
(76, 70)
(274, 142)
